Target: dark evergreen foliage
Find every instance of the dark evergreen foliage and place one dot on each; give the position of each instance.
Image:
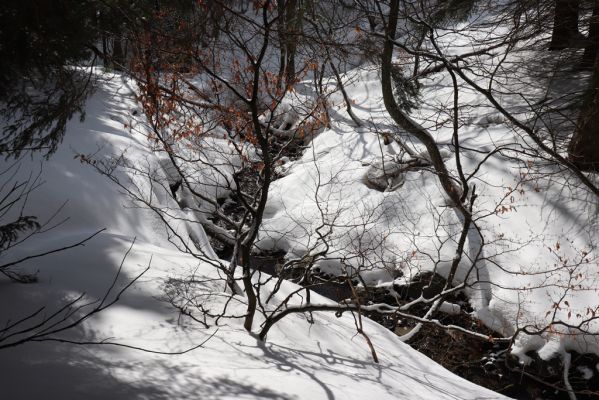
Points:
(406, 89)
(41, 44)
(10, 232)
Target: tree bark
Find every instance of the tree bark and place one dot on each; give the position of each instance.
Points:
(281, 29)
(565, 25)
(292, 25)
(405, 122)
(583, 150)
(118, 58)
(592, 48)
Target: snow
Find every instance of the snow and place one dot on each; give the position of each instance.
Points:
(538, 263)
(586, 372)
(324, 360)
(539, 230)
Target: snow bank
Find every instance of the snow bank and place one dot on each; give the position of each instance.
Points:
(539, 231)
(324, 360)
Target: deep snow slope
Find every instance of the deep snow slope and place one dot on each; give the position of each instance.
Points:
(324, 360)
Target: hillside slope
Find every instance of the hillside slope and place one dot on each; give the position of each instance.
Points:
(323, 360)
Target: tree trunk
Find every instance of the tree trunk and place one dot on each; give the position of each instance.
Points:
(247, 286)
(592, 47)
(565, 25)
(118, 58)
(281, 29)
(405, 122)
(105, 50)
(217, 13)
(292, 21)
(583, 149)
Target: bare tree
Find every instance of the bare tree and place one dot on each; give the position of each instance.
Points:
(225, 127)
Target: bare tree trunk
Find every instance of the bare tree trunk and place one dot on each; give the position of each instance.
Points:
(416, 69)
(105, 50)
(281, 29)
(405, 122)
(592, 47)
(216, 15)
(292, 22)
(267, 173)
(583, 150)
(247, 285)
(118, 58)
(346, 98)
(565, 24)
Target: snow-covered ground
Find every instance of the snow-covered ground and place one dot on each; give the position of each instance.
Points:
(536, 254)
(324, 360)
(538, 264)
